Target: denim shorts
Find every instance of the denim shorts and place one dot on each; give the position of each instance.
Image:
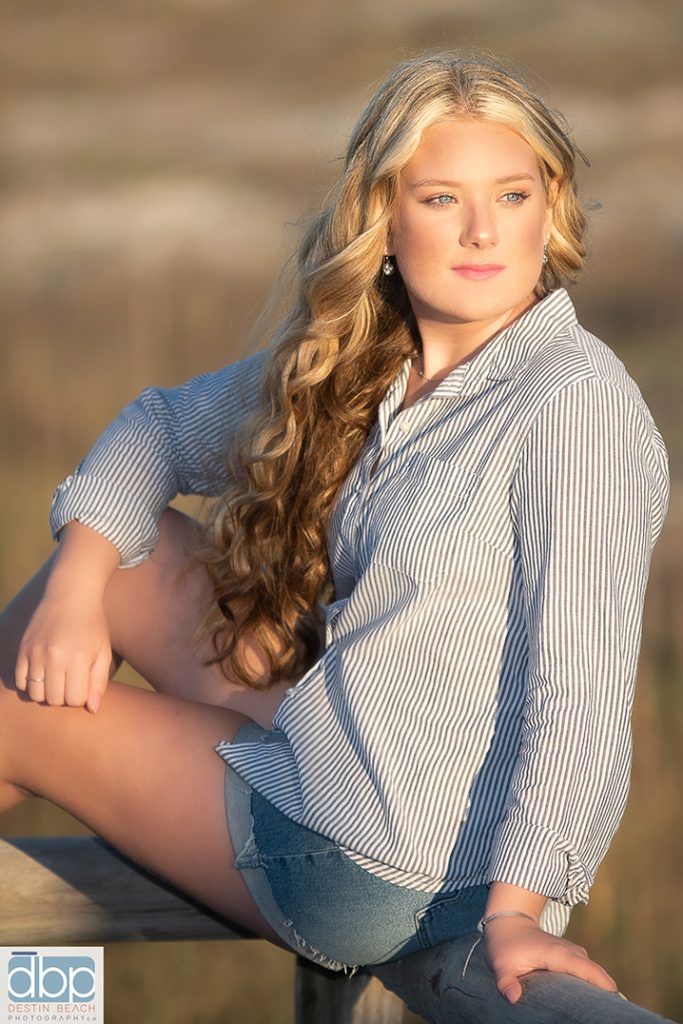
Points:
(322, 904)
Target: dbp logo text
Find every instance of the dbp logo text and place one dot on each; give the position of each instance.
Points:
(34, 977)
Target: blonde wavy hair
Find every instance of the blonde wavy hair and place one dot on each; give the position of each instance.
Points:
(345, 339)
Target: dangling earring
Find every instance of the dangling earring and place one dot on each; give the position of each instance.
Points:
(387, 266)
(545, 254)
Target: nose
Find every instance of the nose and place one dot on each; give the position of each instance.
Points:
(479, 227)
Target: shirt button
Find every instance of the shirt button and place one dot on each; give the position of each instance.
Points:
(404, 428)
(289, 691)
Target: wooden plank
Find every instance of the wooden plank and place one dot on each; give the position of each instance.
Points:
(78, 889)
(435, 984)
(337, 998)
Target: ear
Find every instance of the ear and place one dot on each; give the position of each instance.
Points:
(389, 245)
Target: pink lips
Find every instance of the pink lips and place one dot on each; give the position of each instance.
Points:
(478, 271)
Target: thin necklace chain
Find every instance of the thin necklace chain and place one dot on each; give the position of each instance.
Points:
(419, 372)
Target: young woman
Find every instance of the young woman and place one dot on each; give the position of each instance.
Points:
(411, 627)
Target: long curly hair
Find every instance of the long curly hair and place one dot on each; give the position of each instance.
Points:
(349, 330)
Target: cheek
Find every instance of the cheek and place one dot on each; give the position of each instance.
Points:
(527, 243)
(413, 220)
(418, 238)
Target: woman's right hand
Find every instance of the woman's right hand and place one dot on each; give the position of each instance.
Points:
(65, 653)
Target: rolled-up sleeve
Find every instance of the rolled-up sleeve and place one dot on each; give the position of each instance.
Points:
(167, 441)
(588, 500)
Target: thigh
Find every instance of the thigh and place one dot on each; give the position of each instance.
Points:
(153, 612)
(143, 774)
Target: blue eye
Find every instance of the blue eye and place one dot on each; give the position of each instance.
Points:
(515, 198)
(443, 200)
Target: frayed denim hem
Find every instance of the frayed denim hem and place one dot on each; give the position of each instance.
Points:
(248, 863)
(300, 946)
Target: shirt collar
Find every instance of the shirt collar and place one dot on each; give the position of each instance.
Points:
(393, 397)
(512, 347)
(500, 358)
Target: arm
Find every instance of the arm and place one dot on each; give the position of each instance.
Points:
(588, 501)
(166, 442)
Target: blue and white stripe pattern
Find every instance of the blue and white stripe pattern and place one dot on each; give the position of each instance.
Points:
(469, 718)
(168, 441)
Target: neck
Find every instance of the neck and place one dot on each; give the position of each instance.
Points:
(447, 345)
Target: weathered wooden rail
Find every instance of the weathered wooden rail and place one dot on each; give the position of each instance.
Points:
(79, 890)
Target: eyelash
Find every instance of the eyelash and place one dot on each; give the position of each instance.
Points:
(434, 200)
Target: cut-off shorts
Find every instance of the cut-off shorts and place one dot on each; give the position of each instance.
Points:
(322, 904)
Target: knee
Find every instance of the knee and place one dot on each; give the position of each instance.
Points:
(8, 690)
(10, 705)
(11, 702)
(176, 531)
(16, 716)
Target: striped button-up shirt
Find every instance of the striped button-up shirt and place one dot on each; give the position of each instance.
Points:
(469, 719)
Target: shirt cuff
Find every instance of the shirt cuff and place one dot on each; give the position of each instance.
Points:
(110, 511)
(536, 858)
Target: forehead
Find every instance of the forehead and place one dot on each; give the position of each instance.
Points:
(464, 150)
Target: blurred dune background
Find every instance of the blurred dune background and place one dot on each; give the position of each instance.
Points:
(157, 163)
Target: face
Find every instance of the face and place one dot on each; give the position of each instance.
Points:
(470, 223)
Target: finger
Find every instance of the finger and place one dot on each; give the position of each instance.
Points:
(56, 661)
(76, 683)
(509, 987)
(591, 972)
(609, 982)
(35, 681)
(55, 680)
(21, 671)
(99, 680)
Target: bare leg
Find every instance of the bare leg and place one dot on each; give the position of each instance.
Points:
(153, 617)
(153, 611)
(142, 772)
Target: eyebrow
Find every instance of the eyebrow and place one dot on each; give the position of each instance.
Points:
(457, 184)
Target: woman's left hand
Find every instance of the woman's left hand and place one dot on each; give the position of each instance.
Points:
(515, 946)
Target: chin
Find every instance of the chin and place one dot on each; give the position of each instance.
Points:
(489, 304)
(470, 312)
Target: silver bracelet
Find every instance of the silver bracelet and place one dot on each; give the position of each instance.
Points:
(504, 913)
